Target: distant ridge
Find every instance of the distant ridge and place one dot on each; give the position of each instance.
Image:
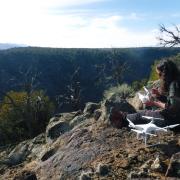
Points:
(9, 45)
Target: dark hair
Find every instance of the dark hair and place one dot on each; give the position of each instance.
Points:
(168, 72)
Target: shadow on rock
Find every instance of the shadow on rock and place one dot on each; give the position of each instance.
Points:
(169, 149)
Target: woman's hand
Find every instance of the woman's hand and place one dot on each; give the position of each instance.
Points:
(149, 103)
(158, 104)
(155, 92)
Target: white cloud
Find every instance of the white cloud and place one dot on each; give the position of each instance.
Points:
(28, 22)
(109, 35)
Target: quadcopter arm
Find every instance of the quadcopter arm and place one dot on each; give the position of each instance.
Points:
(131, 124)
(141, 132)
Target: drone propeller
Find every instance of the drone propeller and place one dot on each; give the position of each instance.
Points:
(166, 127)
(171, 126)
(149, 117)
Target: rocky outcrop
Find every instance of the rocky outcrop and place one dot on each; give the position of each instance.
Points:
(29, 149)
(84, 145)
(64, 122)
(90, 108)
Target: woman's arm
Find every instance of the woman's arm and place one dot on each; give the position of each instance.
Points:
(159, 104)
(171, 99)
(155, 103)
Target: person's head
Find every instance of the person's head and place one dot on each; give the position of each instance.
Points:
(168, 72)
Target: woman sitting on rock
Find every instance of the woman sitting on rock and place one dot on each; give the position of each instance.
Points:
(166, 98)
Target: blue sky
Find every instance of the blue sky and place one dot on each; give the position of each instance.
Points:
(86, 23)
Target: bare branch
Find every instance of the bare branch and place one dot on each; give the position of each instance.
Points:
(169, 38)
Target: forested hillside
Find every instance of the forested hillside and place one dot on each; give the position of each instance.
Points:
(63, 73)
(36, 83)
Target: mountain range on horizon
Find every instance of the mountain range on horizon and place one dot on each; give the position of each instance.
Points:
(10, 45)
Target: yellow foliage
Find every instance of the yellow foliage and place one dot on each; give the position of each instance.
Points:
(21, 112)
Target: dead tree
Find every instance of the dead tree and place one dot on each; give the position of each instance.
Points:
(72, 97)
(169, 38)
(29, 84)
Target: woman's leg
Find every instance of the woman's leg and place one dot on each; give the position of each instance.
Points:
(136, 118)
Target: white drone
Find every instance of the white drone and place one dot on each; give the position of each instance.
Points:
(149, 129)
(144, 97)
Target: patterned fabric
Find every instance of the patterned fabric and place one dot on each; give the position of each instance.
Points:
(173, 99)
(172, 109)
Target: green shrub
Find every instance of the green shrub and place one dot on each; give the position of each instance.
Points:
(124, 91)
(153, 74)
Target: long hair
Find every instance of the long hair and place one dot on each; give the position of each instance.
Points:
(168, 73)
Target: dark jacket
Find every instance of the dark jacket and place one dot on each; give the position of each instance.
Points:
(172, 108)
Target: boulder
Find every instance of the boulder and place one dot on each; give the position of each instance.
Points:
(54, 130)
(119, 104)
(136, 102)
(64, 117)
(90, 108)
(17, 155)
(30, 149)
(116, 109)
(59, 124)
(77, 120)
(36, 146)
